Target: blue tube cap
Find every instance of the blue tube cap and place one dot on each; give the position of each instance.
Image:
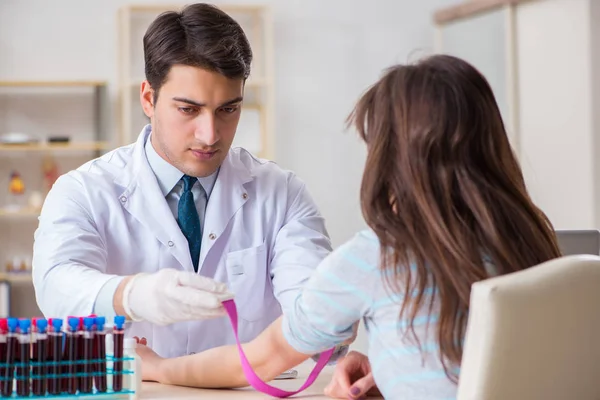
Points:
(13, 323)
(88, 322)
(100, 321)
(119, 321)
(41, 324)
(74, 324)
(25, 325)
(57, 324)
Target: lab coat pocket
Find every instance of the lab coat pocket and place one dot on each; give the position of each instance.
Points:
(247, 274)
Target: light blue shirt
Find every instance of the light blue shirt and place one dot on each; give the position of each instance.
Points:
(348, 286)
(171, 186)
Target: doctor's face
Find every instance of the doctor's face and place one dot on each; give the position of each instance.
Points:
(194, 118)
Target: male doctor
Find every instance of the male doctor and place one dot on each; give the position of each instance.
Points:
(164, 229)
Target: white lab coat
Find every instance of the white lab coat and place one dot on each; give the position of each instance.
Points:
(262, 235)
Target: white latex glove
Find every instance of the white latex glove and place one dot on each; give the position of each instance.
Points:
(169, 296)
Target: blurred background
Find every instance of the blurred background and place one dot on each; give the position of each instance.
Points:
(70, 73)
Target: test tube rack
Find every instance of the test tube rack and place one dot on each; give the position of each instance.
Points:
(83, 359)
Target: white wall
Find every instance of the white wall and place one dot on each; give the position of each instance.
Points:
(339, 47)
(327, 52)
(481, 40)
(556, 130)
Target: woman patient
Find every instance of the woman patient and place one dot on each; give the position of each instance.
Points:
(446, 204)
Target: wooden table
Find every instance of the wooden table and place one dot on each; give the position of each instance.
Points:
(152, 390)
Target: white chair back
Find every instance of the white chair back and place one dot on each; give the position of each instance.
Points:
(535, 334)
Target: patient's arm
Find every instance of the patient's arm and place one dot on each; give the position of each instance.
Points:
(312, 325)
(220, 367)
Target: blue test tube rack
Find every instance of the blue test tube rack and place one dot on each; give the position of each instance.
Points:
(93, 376)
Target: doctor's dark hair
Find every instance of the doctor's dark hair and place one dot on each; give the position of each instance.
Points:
(444, 193)
(200, 35)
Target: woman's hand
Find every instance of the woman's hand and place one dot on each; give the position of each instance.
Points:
(150, 361)
(352, 378)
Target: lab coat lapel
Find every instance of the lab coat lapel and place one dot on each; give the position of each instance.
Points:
(227, 197)
(143, 199)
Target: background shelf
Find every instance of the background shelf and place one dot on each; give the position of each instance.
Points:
(71, 146)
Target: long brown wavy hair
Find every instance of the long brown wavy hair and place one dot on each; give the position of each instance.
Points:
(443, 192)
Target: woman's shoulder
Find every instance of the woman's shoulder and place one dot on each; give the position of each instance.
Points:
(364, 237)
(361, 251)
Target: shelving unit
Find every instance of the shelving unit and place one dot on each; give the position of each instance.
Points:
(16, 277)
(93, 84)
(97, 89)
(21, 213)
(255, 132)
(54, 147)
(40, 109)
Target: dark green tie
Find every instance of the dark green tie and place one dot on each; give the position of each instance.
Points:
(188, 220)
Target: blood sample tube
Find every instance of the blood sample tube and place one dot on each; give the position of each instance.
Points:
(11, 350)
(118, 335)
(83, 364)
(94, 350)
(23, 365)
(55, 356)
(3, 355)
(71, 355)
(87, 358)
(39, 356)
(100, 355)
(79, 361)
(66, 362)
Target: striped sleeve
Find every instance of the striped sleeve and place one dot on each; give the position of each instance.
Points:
(337, 295)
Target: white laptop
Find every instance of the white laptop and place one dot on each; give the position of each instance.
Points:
(585, 241)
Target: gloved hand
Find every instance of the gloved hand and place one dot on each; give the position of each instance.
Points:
(169, 296)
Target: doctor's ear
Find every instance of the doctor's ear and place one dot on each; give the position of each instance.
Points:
(147, 98)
